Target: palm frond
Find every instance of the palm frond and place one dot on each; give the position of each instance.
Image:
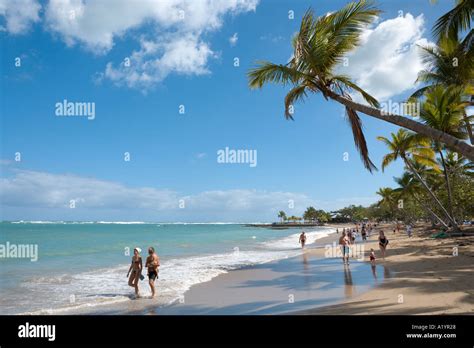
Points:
(351, 85)
(267, 72)
(359, 138)
(458, 19)
(295, 94)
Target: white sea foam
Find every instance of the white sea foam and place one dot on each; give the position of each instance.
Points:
(292, 241)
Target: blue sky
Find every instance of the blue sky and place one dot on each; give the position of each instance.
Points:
(173, 155)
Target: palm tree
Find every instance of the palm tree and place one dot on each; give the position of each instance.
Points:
(408, 186)
(458, 19)
(310, 214)
(441, 70)
(319, 47)
(405, 145)
(388, 199)
(458, 165)
(461, 173)
(444, 110)
(282, 215)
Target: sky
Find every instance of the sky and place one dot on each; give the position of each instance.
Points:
(167, 84)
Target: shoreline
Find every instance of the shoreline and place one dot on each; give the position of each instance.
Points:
(423, 271)
(420, 275)
(277, 287)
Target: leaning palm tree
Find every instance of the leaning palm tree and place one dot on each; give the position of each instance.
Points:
(458, 19)
(443, 110)
(413, 148)
(319, 48)
(408, 186)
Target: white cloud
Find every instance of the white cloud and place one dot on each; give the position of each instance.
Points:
(27, 192)
(233, 39)
(387, 61)
(174, 42)
(19, 15)
(185, 55)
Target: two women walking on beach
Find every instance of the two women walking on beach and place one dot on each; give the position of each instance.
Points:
(135, 271)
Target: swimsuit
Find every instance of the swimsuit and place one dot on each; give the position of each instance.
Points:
(152, 274)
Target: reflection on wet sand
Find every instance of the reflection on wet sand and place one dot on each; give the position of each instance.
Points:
(386, 272)
(374, 272)
(348, 284)
(305, 261)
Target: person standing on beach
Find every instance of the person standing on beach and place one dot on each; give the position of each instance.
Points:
(152, 262)
(372, 257)
(364, 233)
(344, 243)
(302, 239)
(135, 270)
(383, 242)
(409, 231)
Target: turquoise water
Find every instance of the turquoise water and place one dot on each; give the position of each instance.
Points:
(84, 264)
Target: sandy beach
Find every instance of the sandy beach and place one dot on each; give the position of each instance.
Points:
(420, 275)
(428, 278)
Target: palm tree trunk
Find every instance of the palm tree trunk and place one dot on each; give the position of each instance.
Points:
(443, 209)
(430, 211)
(450, 141)
(448, 185)
(468, 127)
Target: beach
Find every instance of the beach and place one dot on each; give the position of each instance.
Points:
(283, 286)
(420, 275)
(267, 274)
(430, 279)
(80, 267)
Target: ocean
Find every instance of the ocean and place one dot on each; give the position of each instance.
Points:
(83, 265)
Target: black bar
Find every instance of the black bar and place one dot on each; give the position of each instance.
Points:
(241, 330)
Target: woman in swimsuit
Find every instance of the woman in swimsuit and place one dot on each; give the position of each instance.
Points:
(135, 270)
(383, 241)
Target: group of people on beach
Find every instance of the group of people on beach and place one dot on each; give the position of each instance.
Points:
(348, 238)
(152, 264)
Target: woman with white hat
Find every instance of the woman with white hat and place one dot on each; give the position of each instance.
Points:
(135, 269)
